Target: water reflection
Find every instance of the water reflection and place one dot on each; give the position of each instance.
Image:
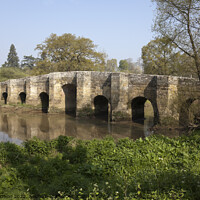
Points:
(20, 127)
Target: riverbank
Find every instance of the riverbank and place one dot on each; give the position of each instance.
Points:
(157, 167)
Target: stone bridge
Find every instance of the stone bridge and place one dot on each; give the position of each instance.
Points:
(119, 96)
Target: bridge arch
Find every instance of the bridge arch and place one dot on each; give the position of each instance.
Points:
(138, 109)
(70, 98)
(101, 107)
(189, 110)
(44, 97)
(5, 96)
(22, 97)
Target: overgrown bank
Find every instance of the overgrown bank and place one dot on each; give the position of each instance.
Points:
(154, 168)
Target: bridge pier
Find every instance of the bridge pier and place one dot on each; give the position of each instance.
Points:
(120, 109)
(84, 104)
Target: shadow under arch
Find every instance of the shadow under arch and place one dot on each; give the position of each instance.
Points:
(22, 97)
(70, 98)
(138, 109)
(101, 105)
(5, 96)
(44, 97)
(184, 111)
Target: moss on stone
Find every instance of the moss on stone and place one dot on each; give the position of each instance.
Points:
(119, 116)
(85, 112)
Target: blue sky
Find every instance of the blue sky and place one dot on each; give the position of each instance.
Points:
(120, 28)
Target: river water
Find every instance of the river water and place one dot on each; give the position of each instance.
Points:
(17, 128)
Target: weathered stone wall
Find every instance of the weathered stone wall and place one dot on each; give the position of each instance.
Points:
(3, 90)
(34, 87)
(120, 89)
(56, 82)
(15, 87)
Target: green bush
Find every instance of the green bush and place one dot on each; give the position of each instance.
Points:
(11, 73)
(156, 167)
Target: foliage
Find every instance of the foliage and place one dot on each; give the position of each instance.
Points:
(123, 65)
(161, 56)
(111, 65)
(127, 65)
(178, 21)
(65, 168)
(11, 73)
(86, 111)
(28, 63)
(68, 53)
(12, 60)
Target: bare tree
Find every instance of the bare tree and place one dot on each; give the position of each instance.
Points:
(179, 21)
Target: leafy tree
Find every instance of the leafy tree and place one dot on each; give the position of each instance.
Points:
(123, 65)
(111, 65)
(161, 56)
(28, 62)
(179, 21)
(12, 60)
(128, 65)
(68, 52)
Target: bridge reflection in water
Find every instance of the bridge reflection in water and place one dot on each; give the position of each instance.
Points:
(20, 127)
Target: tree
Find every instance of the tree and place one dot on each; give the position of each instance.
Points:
(179, 21)
(161, 56)
(123, 65)
(128, 65)
(29, 62)
(157, 57)
(12, 60)
(68, 52)
(111, 65)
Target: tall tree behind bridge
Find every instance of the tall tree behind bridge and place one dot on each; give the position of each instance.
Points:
(68, 53)
(127, 65)
(179, 21)
(111, 65)
(28, 62)
(12, 60)
(161, 56)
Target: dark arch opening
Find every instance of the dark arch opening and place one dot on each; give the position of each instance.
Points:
(101, 107)
(190, 112)
(44, 97)
(22, 96)
(142, 108)
(5, 96)
(70, 98)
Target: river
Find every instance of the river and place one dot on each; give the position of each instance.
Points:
(17, 128)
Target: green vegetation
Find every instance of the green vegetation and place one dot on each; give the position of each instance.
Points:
(12, 60)
(57, 54)
(119, 116)
(68, 53)
(11, 73)
(127, 65)
(178, 21)
(86, 112)
(65, 168)
(161, 56)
